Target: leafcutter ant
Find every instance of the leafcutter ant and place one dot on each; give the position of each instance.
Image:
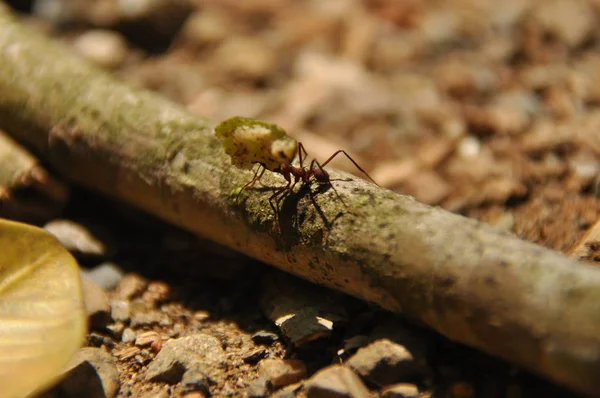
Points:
(249, 142)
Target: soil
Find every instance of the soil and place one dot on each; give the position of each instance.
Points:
(488, 109)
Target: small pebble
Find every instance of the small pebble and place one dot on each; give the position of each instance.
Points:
(76, 238)
(92, 373)
(156, 292)
(105, 48)
(259, 388)
(201, 315)
(401, 390)
(290, 391)
(116, 330)
(98, 340)
(96, 304)
(132, 285)
(264, 337)
(281, 372)
(159, 394)
(384, 362)
(199, 353)
(246, 57)
(468, 147)
(255, 356)
(336, 381)
(205, 27)
(120, 310)
(195, 380)
(106, 275)
(128, 335)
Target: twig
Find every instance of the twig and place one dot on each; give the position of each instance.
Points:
(469, 281)
(27, 191)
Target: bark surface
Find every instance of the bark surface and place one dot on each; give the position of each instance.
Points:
(27, 191)
(469, 281)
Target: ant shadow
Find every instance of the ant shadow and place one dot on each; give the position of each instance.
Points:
(291, 212)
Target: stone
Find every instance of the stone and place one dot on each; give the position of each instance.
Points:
(289, 391)
(195, 380)
(255, 356)
(303, 312)
(384, 362)
(336, 382)
(77, 238)
(131, 285)
(128, 335)
(106, 275)
(351, 345)
(120, 310)
(208, 26)
(150, 318)
(281, 372)
(96, 303)
(116, 330)
(400, 390)
(98, 340)
(246, 57)
(264, 337)
(157, 292)
(159, 394)
(92, 372)
(199, 353)
(259, 388)
(104, 48)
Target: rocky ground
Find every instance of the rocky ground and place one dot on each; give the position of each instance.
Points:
(489, 109)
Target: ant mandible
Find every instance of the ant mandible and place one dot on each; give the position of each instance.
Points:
(249, 141)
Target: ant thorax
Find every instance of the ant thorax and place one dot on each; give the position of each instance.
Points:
(249, 141)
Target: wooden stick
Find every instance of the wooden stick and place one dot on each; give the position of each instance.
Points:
(27, 191)
(471, 282)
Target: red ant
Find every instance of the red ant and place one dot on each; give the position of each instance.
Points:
(302, 173)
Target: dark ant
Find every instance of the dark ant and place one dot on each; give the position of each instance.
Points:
(302, 173)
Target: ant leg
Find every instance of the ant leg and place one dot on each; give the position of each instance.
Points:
(350, 158)
(302, 150)
(256, 177)
(274, 202)
(312, 166)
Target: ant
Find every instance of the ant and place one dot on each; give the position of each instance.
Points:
(302, 173)
(249, 141)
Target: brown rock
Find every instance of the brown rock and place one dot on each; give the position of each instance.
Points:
(77, 238)
(199, 353)
(92, 373)
(401, 390)
(336, 382)
(281, 372)
(131, 285)
(384, 362)
(97, 305)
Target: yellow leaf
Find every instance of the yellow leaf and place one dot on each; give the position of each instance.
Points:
(42, 318)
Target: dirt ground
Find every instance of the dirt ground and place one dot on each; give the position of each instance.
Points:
(488, 109)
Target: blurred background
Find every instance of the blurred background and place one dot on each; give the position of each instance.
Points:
(486, 108)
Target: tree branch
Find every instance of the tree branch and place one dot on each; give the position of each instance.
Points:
(469, 281)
